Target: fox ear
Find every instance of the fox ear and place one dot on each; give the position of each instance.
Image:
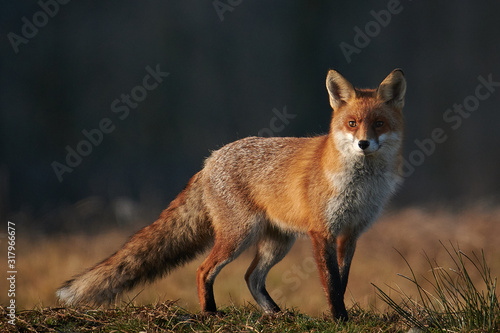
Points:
(339, 89)
(393, 89)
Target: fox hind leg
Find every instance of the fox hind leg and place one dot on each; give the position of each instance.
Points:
(271, 249)
(226, 248)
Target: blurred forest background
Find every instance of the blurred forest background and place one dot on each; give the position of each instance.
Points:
(233, 66)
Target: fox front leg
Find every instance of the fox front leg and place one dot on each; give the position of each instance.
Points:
(325, 253)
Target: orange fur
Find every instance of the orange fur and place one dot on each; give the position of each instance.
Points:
(266, 191)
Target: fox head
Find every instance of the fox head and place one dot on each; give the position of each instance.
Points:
(367, 122)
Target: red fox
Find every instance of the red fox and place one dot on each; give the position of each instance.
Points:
(265, 192)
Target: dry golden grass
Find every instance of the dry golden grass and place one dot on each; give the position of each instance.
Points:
(43, 264)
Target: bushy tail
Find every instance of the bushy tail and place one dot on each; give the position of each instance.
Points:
(182, 231)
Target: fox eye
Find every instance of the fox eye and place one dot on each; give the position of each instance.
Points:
(379, 123)
(352, 123)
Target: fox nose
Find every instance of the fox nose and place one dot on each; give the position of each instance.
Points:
(363, 144)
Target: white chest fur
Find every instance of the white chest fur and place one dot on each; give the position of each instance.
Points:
(360, 195)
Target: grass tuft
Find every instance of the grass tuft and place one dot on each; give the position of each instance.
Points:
(452, 301)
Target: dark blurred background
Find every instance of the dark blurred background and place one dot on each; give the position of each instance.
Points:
(233, 66)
